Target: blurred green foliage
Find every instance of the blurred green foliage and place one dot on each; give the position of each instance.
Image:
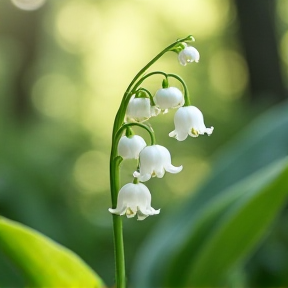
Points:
(217, 228)
(63, 69)
(44, 262)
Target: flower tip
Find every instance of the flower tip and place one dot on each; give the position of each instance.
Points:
(113, 211)
(178, 136)
(173, 169)
(210, 130)
(190, 38)
(172, 134)
(142, 178)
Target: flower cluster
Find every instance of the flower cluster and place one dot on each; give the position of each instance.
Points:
(154, 160)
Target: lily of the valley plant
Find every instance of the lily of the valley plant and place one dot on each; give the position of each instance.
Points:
(137, 106)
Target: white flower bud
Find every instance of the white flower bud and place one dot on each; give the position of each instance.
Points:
(140, 109)
(188, 55)
(167, 98)
(130, 147)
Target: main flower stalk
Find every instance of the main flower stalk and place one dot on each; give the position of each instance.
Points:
(119, 128)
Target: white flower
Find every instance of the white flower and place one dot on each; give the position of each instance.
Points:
(188, 55)
(134, 199)
(154, 161)
(189, 120)
(140, 109)
(130, 147)
(167, 98)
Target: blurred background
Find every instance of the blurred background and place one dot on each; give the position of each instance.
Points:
(64, 66)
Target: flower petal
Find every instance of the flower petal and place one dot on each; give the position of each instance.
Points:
(180, 136)
(145, 177)
(209, 131)
(141, 217)
(160, 173)
(173, 133)
(118, 211)
(173, 169)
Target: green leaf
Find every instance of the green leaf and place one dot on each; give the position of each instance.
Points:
(44, 262)
(238, 229)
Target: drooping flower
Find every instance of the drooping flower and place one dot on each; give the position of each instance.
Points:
(189, 121)
(188, 55)
(134, 199)
(154, 161)
(167, 98)
(140, 109)
(130, 147)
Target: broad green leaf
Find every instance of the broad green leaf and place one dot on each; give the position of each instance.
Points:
(204, 223)
(236, 231)
(260, 144)
(44, 262)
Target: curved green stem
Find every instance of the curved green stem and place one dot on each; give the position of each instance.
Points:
(186, 91)
(117, 221)
(119, 118)
(168, 48)
(126, 98)
(149, 94)
(147, 128)
(140, 81)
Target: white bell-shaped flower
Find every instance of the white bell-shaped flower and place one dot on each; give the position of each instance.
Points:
(154, 161)
(167, 98)
(189, 121)
(134, 199)
(188, 55)
(130, 147)
(140, 109)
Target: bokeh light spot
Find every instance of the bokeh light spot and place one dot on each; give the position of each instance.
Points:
(282, 10)
(204, 17)
(28, 5)
(91, 172)
(228, 74)
(56, 96)
(78, 26)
